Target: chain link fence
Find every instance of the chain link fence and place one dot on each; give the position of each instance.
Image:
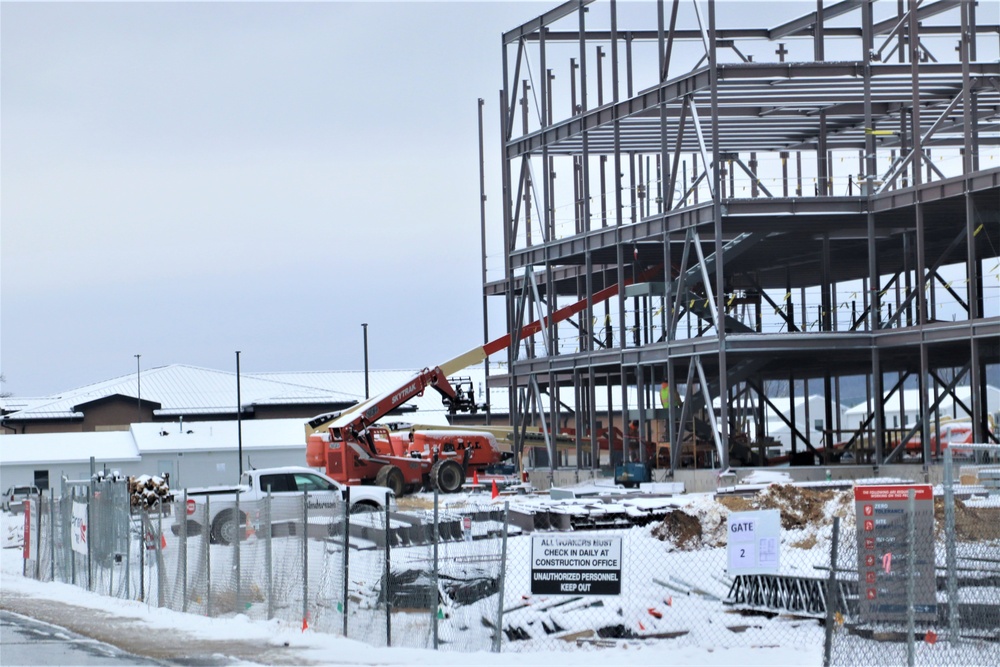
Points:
(628, 575)
(919, 576)
(775, 566)
(419, 579)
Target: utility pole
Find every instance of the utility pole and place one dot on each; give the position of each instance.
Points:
(364, 325)
(239, 415)
(138, 388)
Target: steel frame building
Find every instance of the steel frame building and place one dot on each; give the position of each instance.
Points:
(772, 221)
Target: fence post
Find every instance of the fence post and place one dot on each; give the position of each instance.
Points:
(206, 526)
(305, 558)
(128, 543)
(388, 552)
(184, 554)
(911, 554)
(144, 523)
(949, 541)
(237, 542)
(500, 580)
(435, 595)
(69, 542)
(161, 576)
(113, 539)
(52, 530)
(831, 594)
(268, 556)
(90, 523)
(347, 550)
(38, 537)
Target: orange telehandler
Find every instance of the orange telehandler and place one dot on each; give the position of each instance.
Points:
(354, 450)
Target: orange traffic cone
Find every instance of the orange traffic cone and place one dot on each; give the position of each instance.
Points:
(475, 477)
(495, 491)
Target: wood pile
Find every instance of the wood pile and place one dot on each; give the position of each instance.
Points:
(146, 492)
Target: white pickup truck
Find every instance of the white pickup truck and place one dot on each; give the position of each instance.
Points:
(291, 481)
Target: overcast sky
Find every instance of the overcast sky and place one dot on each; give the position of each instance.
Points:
(184, 180)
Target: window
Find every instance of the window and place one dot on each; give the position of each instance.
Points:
(42, 480)
(307, 482)
(279, 483)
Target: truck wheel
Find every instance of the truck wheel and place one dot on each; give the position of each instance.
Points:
(447, 476)
(364, 507)
(391, 477)
(225, 529)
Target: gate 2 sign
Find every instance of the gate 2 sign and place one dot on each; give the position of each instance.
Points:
(754, 541)
(576, 565)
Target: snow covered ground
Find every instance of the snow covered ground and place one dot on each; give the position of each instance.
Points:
(260, 642)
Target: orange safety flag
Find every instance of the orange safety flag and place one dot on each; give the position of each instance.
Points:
(495, 491)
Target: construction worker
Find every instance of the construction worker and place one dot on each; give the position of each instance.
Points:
(668, 394)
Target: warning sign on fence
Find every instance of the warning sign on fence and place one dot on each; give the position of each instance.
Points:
(576, 565)
(884, 552)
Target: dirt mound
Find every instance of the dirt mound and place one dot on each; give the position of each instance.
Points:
(681, 529)
(972, 524)
(804, 512)
(799, 507)
(806, 515)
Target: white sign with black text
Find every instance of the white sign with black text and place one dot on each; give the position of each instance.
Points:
(754, 540)
(576, 565)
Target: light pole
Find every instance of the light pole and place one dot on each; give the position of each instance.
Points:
(138, 388)
(239, 415)
(364, 325)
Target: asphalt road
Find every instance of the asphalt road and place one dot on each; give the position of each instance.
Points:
(41, 631)
(26, 641)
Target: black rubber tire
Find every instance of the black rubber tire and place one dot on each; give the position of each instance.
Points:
(447, 476)
(392, 477)
(224, 529)
(365, 507)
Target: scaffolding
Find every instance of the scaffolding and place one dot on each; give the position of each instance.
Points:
(817, 204)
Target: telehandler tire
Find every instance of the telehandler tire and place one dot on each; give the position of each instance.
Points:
(391, 477)
(447, 476)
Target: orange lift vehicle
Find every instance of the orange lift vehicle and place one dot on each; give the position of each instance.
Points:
(353, 449)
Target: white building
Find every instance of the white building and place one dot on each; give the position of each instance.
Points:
(193, 453)
(902, 409)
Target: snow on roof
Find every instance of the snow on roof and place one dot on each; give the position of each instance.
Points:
(181, 389)
(151, 438)
(46, 448)
(218, 435)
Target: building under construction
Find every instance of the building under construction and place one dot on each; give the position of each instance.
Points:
(745, 215)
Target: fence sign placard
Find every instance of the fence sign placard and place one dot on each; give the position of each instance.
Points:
(883, 551)
(78, 530)
(576, 565)
(754, 542)
(27, 552)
